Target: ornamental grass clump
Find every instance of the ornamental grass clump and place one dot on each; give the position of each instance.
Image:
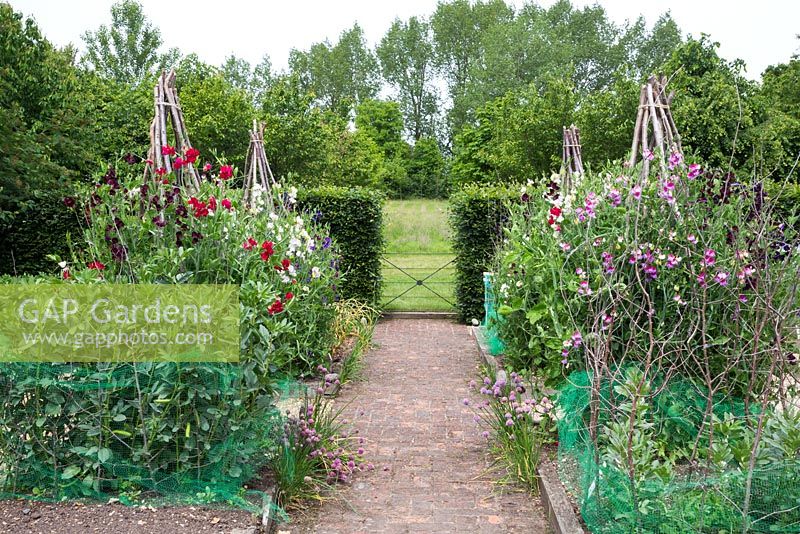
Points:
(516, 424)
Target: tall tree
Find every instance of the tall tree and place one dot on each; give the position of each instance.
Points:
(407, 63)
(239, 73)
(341, 75)
(128, 50)
(458, 30)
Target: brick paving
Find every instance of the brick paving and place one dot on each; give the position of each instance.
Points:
(432, 471)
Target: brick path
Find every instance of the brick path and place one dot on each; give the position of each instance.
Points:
(431, 464)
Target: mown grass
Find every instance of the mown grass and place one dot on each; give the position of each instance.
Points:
(417, 245)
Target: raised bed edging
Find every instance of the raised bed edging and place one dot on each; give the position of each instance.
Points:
(555, 502)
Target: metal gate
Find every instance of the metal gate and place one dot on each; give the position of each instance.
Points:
(418, 281)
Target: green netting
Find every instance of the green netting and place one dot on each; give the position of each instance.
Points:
(667, 495)
(490, 319)
(154, 433)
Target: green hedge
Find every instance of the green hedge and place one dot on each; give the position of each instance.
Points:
(36, 231)
(355, 218)
(786, 197)
(477, 215)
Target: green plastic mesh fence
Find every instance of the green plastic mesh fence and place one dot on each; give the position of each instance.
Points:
(155, 433)
(490, 318)
(664, 492)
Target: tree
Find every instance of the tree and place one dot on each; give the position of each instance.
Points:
(382, 122)
(127, 51)
(218, 114)
(779, 132)
(713, 105)
(406, 57)
(515, 137)
(458, 30)
(47, 124)
(240, 74)
(339, 76)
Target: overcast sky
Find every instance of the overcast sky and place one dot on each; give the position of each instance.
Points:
(761, 32)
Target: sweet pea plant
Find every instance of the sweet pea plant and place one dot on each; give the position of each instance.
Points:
(85, 428)
(683, 273)
(285, 265)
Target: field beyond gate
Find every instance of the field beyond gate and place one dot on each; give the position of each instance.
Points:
(418, 272)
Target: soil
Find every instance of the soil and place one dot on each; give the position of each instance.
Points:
(22, 516)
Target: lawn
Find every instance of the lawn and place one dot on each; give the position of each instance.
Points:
(417, 246)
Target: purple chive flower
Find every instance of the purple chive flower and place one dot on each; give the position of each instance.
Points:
(466, 402)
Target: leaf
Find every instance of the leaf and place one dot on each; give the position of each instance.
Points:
(70, 472)
(119, 417)
(104, 455)
(235, 471)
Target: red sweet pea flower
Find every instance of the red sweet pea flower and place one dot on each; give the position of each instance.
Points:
(200, 208)
(207, 167)
(227, 204)
(96, 265)
(179, 163)
(191, 155)
(167, 150)
(268, 249)
(65, 274)
(212, 203)
(161, 171)
(555, 211)
(225, 172)
(289, 295)
(249, 244)
(284, 265)
(275, 307)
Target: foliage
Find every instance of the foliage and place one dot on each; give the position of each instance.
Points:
(354, 322)
(127, 52)
(355, 219)
(477, 217)
(406, 58)
(340, 76)
(382, 121)
(459, 27)
(516, 137)
(46, 134)
(713, 107)
(641, 475)
(40, 229)
(425, 170)
(220, 116)
(579, 265)
(162, 426)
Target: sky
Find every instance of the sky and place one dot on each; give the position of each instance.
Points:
(760, 32)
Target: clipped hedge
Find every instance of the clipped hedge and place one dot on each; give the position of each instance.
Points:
(355, 218)
(36, 231)
(477, 215)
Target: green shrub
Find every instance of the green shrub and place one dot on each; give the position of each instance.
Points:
(39, 229)
(477, 216)
(355, 219)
